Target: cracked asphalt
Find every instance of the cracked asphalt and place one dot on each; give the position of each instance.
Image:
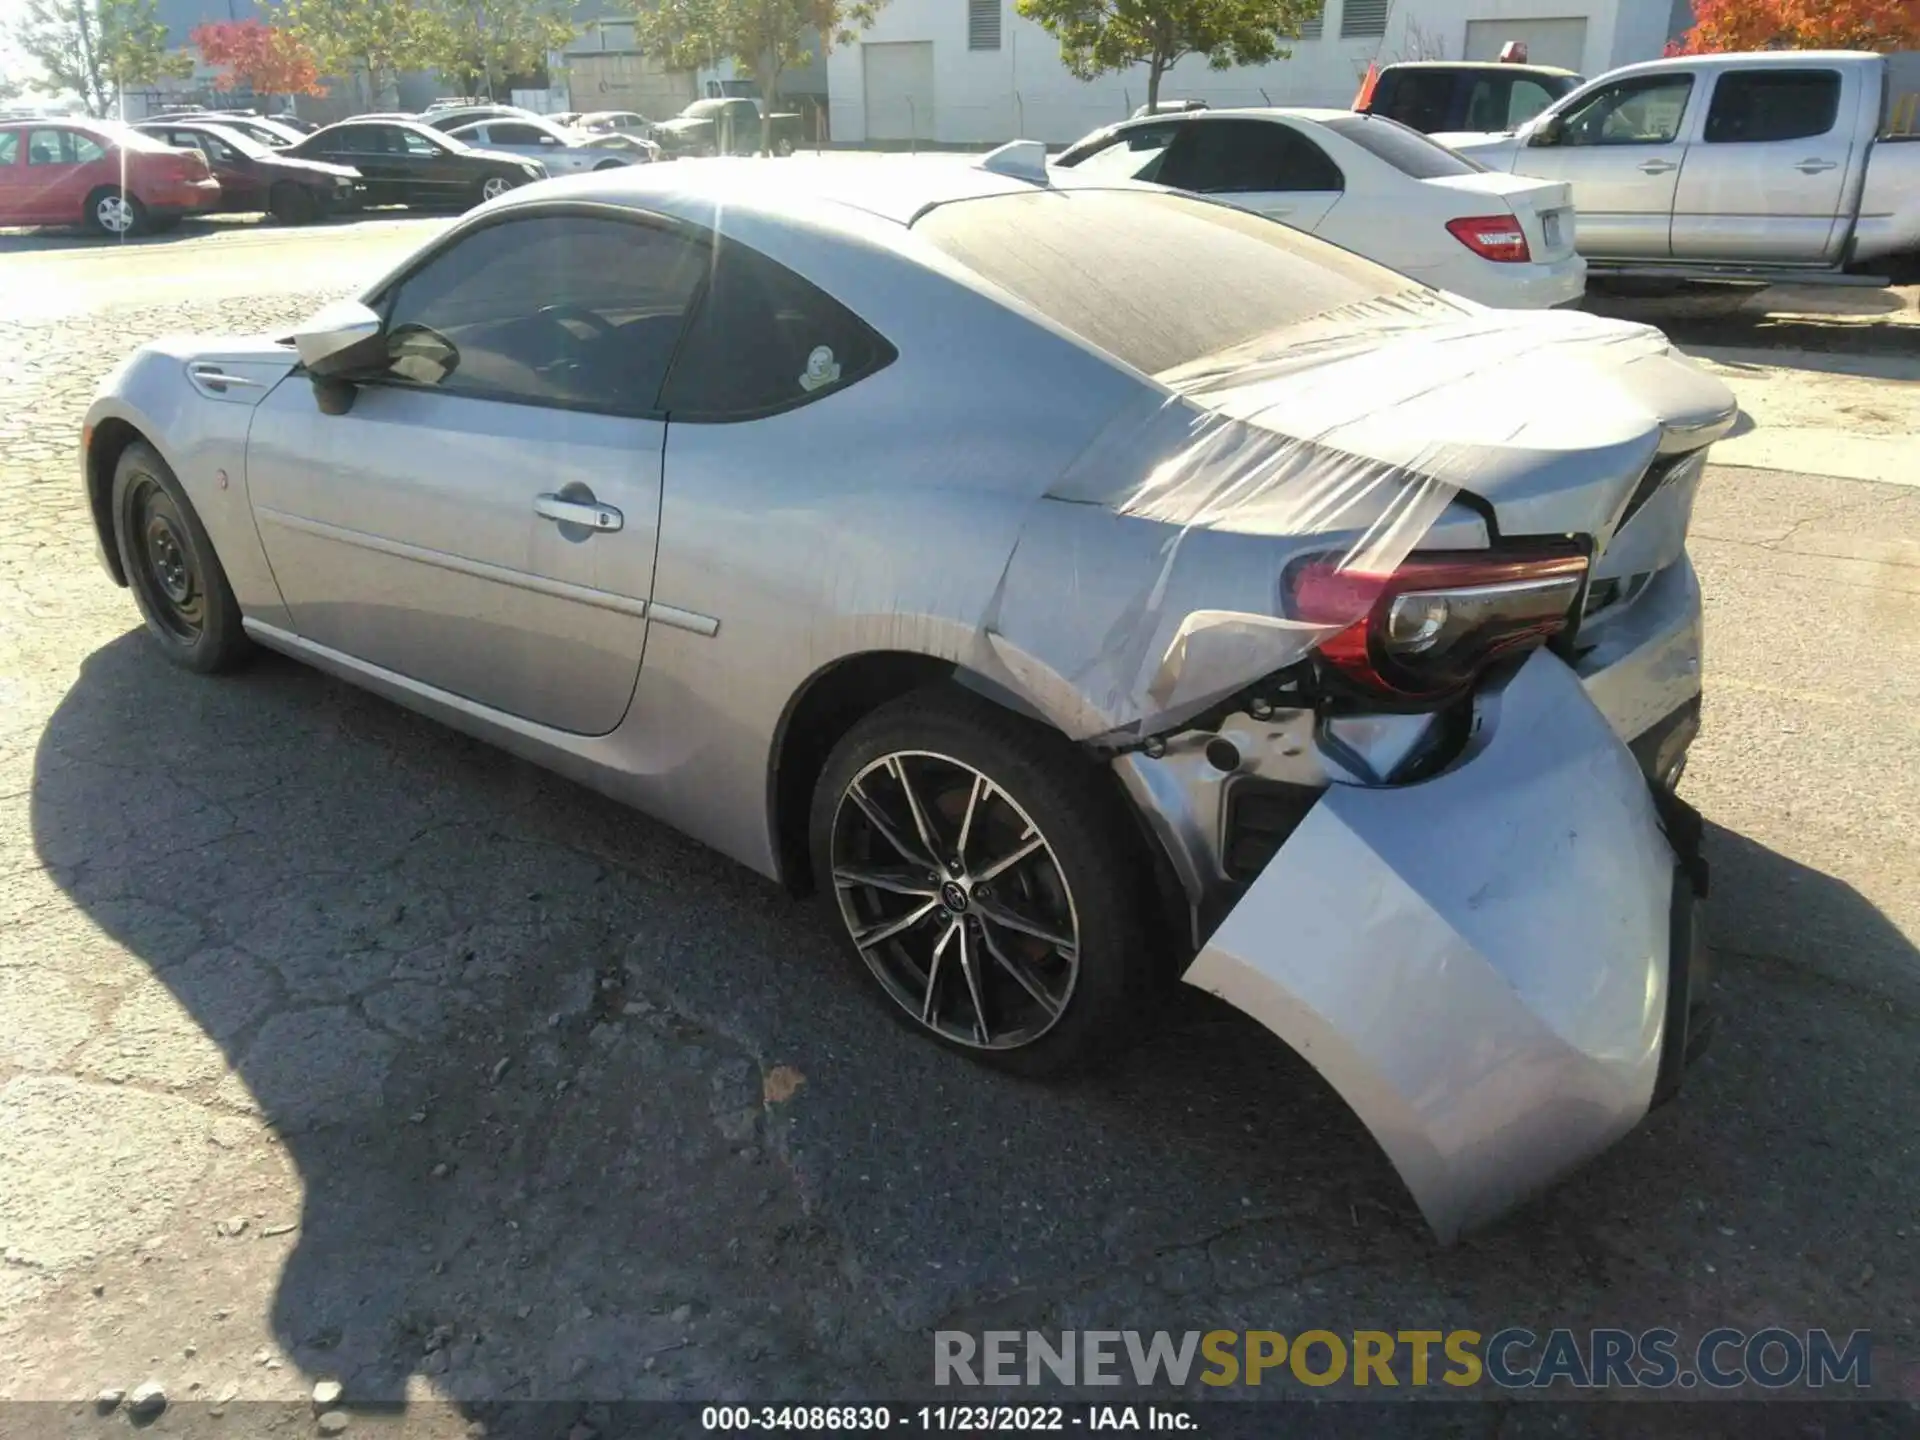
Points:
(333, 1044)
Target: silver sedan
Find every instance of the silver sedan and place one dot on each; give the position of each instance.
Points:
(562, 151)
(1076, 585)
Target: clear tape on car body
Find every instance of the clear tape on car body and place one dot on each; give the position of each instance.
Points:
(1316, 438)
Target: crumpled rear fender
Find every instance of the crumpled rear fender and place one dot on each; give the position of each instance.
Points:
(1477, 963)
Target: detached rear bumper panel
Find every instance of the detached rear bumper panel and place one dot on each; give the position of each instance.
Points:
(1477, 963)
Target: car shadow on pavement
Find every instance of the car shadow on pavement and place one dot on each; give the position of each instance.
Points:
(511, 1088)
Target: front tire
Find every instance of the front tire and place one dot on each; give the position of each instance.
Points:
(291, 204)
(990, 883)
(492, 188)
(171, 567)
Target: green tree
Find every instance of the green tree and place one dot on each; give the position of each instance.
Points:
(1098, 37)
(98, 48)
(376, 38)
(490, 40)
(765, 37)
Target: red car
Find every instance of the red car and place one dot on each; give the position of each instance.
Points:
(106, 176)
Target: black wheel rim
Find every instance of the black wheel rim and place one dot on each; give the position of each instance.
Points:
(164, 566)
(955, 900)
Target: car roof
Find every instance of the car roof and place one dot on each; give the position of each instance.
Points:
(892, 187)
(1521, 67)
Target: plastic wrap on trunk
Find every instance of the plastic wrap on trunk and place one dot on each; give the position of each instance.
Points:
(1146, 584)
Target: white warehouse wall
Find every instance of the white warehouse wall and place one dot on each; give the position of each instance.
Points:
(1022, 89)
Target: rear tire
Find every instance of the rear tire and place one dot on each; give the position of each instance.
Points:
(291, 204)
(115, 212)
(1047, 964)
(171, 567)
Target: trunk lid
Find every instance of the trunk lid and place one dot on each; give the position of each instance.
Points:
(1544, 208)
(1551, 418)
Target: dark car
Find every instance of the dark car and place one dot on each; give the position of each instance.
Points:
(402, 162)
(1443, 96)
(725, 127)
(253, 176)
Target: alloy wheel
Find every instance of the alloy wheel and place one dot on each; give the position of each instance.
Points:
(494, 186)
(164, 566)
(955, 900)
(114, 214)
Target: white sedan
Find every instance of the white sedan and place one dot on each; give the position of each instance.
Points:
(562, 151)
(1368, 184)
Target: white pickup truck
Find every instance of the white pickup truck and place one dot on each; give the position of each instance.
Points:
(1799, 166)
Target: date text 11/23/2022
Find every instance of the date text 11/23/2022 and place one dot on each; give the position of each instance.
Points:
(965, 1419)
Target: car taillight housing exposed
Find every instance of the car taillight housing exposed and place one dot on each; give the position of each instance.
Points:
(1492, 237)
(1440, 618)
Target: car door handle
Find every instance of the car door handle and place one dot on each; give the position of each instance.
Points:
(590, 514)
(1814, 167)
(213, 379)
(1657, 167)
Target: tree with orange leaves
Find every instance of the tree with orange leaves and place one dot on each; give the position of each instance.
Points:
(269, 60)
(1723, 25)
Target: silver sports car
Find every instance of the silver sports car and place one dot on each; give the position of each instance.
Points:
(1078, 585)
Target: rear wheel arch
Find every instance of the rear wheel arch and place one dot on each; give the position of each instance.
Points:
(842, 694)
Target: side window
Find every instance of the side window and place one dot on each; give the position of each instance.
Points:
(49, 147)
(1527, 99)
(765, 340)
(569, 311)
(86, 149)
(1227, 157)
(510, 134)
(410, 142)
(1422, 99)
(355, 140)
(9, 147)
(1642, 111)
(1753, 106)
(1131, 155)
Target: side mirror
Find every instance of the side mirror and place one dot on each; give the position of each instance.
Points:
(343, 337)
(1546, 131)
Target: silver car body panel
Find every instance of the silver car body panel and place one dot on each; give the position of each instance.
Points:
(1520, 899)
(1104, 552)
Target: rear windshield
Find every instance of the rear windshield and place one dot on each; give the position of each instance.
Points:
(1155, 280)
(1408, 151)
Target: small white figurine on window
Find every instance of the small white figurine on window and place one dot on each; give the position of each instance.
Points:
(822, 369)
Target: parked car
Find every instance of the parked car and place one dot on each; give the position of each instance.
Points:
(725, 127)
(619, 142)
(274, 133)
(626, 122)
(1449, 95)
(1367, 183)
(562, 152)
(402, 162)
(454, 116)
(1777, 166)
(100, 174)
(1206, 542)
(567, 118)
(255, 177)
(295, 122)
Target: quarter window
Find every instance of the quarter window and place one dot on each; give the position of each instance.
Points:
(1644, 111)
(569, 311)
(1131, 155)
(9, 147)
(1753, 106)
(765, 340)
(510, 134)
(1228, 157)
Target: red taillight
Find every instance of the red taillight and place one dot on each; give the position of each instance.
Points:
(1492, 237)
(1425, 630)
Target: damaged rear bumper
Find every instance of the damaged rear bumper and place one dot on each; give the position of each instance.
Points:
(1496, 968)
